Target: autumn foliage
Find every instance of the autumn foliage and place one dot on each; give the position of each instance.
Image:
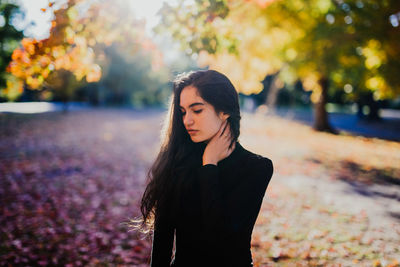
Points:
(76, 44)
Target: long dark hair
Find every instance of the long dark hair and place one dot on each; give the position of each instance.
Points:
(177, 149)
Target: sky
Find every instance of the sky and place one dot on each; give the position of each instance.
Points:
(142, 9)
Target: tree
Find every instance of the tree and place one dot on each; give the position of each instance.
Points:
(129, 80)
(9, 38)
(327, 44)
(76, 46)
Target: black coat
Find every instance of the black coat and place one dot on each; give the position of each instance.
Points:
(216, 213)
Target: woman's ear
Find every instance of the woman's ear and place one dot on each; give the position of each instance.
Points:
(224, 116)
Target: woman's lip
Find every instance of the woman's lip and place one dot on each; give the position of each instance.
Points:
(192, 131)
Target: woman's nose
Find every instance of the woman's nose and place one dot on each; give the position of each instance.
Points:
(188, 119)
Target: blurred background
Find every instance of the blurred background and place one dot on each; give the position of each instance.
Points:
(84, 90)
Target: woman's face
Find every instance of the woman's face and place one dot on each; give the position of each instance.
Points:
(199, 115)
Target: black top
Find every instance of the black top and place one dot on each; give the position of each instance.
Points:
(217, 213)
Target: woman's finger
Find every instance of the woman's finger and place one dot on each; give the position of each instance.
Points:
(224, 125)
(221, 129)
(228, 133)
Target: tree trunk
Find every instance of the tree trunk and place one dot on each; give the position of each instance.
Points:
(367, 99)
(373, 105)
(360, 114)
(321, 121)
(65, 106)
(272, 94)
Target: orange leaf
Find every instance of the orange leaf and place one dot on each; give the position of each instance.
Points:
(377, 263)
(395, 263)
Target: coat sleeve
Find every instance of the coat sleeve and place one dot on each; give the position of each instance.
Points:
(223, 216)
(163, 238)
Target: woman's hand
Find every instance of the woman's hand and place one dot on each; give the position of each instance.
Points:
(218, 146)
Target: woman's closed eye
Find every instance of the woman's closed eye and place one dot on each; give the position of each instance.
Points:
(195, 111)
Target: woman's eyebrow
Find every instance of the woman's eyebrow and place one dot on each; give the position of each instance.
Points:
(194, 104)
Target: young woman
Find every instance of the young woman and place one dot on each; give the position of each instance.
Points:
(204, 187)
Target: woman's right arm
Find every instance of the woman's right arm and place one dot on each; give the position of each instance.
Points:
(163, 239)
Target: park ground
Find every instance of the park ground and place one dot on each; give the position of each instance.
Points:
(69, 181)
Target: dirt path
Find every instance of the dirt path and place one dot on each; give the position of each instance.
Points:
(70, 180)
(313, 215)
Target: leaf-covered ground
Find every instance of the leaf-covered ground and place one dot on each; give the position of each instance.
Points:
(69, 181)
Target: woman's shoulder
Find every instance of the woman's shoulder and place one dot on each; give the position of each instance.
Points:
(257, 169)
(254, 161)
